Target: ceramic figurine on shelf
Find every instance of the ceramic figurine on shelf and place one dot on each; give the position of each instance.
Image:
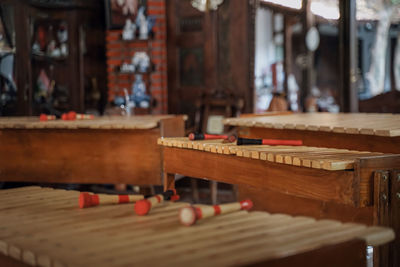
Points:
(141, 22)
(129, 104)
(36, 48)
(144, 24)
(127, 68)
(141, 61)
(62, 35)
(129, 30)
(139, 96)
(129, 7)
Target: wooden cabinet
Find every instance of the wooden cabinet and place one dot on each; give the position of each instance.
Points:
(209, 52)
(59, 56)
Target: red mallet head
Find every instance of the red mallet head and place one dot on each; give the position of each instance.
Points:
(142, 207)
(64, 116)
(71, 115)
(43, 117)
(188, 215)
(246, 204)
(174, 198)
(232, 138)
(85, 200)
(191, 136)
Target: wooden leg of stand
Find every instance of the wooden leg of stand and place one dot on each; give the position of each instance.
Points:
(169, 181)
(120, 187)
(381, 210)
(214, 192)
(195, 190)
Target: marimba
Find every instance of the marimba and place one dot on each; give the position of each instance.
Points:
(356, 131)
(45, 227)
(319, 182)
(103, 150)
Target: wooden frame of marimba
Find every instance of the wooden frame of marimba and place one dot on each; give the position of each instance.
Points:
(98, 151)
(351, 195)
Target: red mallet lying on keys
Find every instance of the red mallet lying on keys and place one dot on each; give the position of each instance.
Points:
(143, 207)
(72, 115)
(189, 215)
(90, 200)
(45, 117)
(271, 142)
(200, 136)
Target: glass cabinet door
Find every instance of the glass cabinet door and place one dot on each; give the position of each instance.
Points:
(8, 87)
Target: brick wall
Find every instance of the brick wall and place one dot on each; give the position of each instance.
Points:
(119, 51)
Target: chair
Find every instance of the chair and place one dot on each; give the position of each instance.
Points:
(211, 109)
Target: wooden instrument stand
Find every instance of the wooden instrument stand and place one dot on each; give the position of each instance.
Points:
(349, 195)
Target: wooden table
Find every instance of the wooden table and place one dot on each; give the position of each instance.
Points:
(103, 150)
(45, 227)
(351, 186)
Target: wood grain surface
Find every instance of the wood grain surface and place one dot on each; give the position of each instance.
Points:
(352, 123)
(103, 150)
(45, 227)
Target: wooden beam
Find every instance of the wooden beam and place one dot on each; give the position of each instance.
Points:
(288, 50)
(348, 56)
(307, 21)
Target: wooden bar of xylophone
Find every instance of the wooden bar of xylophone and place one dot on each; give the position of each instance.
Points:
(45, 227)
(103, 150)
(314, 181)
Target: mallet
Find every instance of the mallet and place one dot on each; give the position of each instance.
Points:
(271, 142)
(72, 115)
(144, 206)
(45, 117)
(200, 136)
(189, 215)
(90, 200)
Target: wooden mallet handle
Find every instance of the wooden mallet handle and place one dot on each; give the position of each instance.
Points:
(191, 214)
(200, 136)
(271, 142)
(144, 206)
(87, 200)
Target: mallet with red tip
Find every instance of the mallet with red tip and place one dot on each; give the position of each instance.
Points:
(72, 115)
(87, 200)
(271, 142)
(45, 117)
(200, 136)
(144, 206)
(191, 214)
